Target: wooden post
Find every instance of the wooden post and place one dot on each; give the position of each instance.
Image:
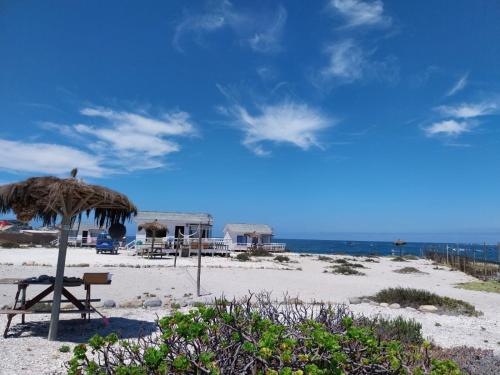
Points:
(58, 285)
(198, 276)
(176, 248)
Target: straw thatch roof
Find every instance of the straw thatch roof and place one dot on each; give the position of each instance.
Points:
(154, 226)
(249, 228)
(45, 198)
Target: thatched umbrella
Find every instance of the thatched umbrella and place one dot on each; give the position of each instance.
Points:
(254, 236)
(153, 226)
(400, 243)
(46, 198)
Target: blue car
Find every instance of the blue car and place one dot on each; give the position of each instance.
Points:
(105, 244)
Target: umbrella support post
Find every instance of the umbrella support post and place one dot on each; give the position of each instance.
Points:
(58, 286)
(198, 276)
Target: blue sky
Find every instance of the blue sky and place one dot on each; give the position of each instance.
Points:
(335, 119)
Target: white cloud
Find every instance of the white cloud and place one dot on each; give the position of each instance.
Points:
(288, 122)
(346, 61)
(468, 110)
(361, 13)
(459, 85)
(127, 141)
(135, 140)
(449, 128)
(261, 31)
(269, 40)
(22, 157)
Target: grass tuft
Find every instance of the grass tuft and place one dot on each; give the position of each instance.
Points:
(281, 258)
(407, 270)
(346, 270)
(243, 257)
(491, 286)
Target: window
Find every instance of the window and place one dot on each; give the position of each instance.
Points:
(241, 239)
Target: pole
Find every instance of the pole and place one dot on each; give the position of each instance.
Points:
(58, 285)
(176, 247)
(198, 277)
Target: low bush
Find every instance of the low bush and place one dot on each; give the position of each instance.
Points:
(243, 257)
(408, 270)
(346, 270)
(324, 258)
(341, 261)
(409, 297)
(260, 252)
(473, 361)
(492, 286)
(411, 257)
(260, 337)
(64, 349)
(282, 258)
(9, 245)
(398, 259)
(406, 331)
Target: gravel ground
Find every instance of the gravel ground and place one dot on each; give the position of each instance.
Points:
(28, 352)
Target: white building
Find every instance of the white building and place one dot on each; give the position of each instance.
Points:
(179, 224)
(241, 237)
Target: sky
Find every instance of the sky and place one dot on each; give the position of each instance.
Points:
(332, 119)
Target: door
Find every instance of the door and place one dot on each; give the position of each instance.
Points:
(178, 231)
(85, 235)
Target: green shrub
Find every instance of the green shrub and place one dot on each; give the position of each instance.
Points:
(282, 258)
(417, 297)
(398, 259)
(406, 331)
(261, 337)
(64, 349)
(243, 257)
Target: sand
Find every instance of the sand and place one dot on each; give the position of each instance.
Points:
(303, 278)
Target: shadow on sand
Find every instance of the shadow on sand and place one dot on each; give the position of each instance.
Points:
(79, 331)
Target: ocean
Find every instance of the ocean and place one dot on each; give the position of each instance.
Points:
(384, 248)
(380, 247)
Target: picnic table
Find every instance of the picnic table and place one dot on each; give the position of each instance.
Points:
(23, 306)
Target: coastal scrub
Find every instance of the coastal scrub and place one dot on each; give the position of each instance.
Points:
(259, 336)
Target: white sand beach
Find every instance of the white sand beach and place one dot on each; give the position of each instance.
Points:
(135, 278)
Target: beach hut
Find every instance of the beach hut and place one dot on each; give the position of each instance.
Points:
(241, 237)
(180, 225)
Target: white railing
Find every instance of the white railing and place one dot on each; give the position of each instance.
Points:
(270, 246)
(131, 245)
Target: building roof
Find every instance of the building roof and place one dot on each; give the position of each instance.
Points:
(181, 217)
(248, 228)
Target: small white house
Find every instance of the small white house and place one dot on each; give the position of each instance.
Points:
(179, 224)
(241, 237)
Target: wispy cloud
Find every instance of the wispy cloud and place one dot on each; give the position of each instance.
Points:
(346, 61)
(23, 157)
(449, 128)
(468, 110)
(460, 118)
(287, 122)
(269, 39)
(361, 13)
(262, 32)
(459, 85)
